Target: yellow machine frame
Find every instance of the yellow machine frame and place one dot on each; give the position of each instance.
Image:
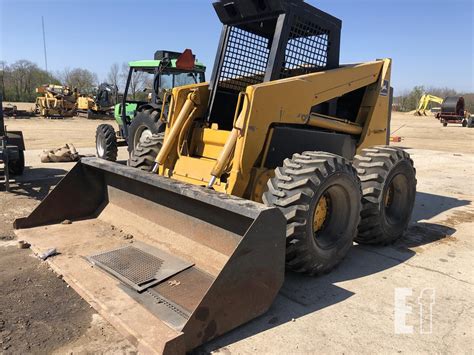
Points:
(86, 103)
(202, 157)
(54, 102)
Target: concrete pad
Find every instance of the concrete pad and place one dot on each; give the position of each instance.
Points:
(352, 310)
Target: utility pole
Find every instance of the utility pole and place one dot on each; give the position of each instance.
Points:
(44, 45)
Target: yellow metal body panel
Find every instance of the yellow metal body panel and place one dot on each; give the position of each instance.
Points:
(179, 97)
(85, 103)
(375, 108)
(289, 101)
(208, 142)
(286, 101)
(195, 171)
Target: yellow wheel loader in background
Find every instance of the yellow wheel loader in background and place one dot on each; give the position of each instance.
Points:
(185, 250)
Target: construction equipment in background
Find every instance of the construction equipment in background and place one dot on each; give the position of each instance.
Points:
(100, 105)
(57, 101)
(453, 112)
(11, 110)
(424, 102)
(282, 122)
(12, 148)
(143, 117)
(470, 121)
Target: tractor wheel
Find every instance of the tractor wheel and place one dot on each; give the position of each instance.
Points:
(145, 124)
(319, 194)
(144, 155)
(388, 180)
(470, 122)
(106, 142)
(17, 167)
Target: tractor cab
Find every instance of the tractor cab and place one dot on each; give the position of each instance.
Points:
(148, 80)
(143, 97)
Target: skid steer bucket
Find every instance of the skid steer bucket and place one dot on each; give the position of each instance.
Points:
(170, 265)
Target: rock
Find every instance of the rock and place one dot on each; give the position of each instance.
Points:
(23, 245)
(66, 221)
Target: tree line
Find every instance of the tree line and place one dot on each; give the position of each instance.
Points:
(408, 100)
(19, 80)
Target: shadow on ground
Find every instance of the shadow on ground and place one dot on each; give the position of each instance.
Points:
(302, 295)
(429, 205)
(36, 183)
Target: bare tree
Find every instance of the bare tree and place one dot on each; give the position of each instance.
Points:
(19, 80)
(137, 82)
(82, 79)
(113, 76)
(64, 75)
(3, 67)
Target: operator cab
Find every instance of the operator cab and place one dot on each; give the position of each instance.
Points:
(166, 71)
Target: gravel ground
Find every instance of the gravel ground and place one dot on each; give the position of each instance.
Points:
(350, 310)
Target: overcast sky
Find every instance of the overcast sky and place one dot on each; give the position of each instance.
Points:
(430, 41)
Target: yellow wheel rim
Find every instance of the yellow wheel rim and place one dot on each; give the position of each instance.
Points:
(389, 196)
(320, 213)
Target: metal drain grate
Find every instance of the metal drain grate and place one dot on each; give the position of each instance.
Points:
(139, 268)
(132, 263)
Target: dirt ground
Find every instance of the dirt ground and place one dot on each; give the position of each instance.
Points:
(35, 327)
(43, 133)
(428, 133)
(39, 313)
(348, 311)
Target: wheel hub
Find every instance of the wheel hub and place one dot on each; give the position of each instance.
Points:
(143, 135)
(320, 214)
(389, 196)
(100, 147)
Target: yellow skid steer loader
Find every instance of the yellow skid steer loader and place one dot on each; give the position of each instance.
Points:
(280, 160)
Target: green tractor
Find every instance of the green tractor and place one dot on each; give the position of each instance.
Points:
(142, 116)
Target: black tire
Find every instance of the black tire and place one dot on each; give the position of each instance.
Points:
(148, 119)
(445, 124)
(106, 142)
(470, 122)
(298, 189)
(17, 167)
(464, 123)
(388, 180)
(144, 155)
